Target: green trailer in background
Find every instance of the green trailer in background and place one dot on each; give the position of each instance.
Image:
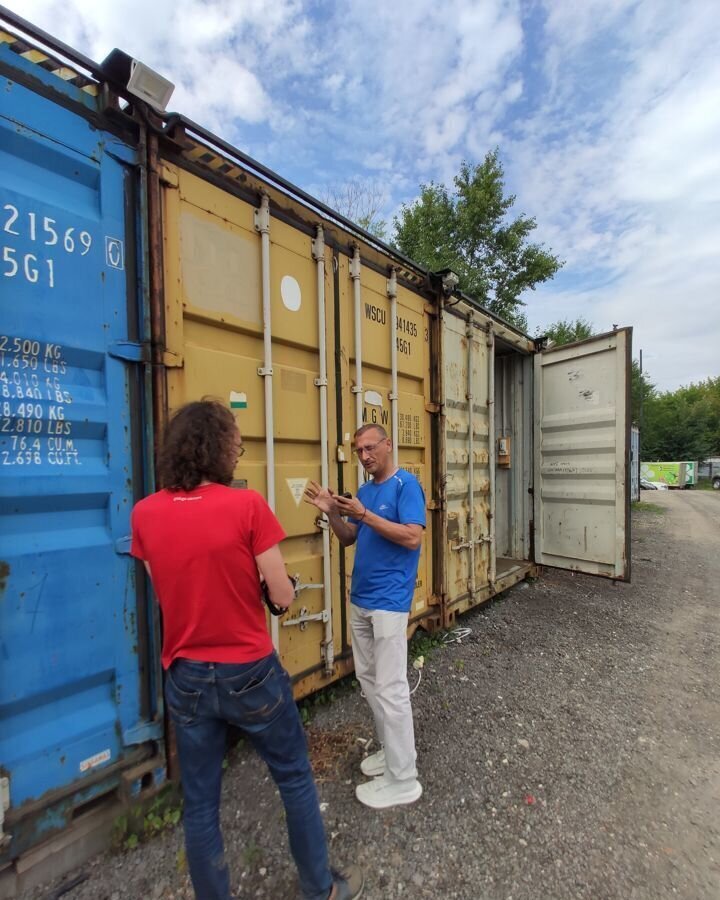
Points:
(673, 474)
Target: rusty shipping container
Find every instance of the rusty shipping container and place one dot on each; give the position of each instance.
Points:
(248, 289)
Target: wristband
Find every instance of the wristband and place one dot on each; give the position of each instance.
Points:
(363, 515)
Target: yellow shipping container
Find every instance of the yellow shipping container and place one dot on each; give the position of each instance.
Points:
(260, 310)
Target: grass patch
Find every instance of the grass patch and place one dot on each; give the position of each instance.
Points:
(705, 485)
(646, 506)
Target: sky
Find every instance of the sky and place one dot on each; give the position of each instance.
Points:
(606, 114)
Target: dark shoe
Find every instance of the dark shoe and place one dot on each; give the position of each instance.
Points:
(348, 884)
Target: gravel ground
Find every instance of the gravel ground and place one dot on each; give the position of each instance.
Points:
(568, 748)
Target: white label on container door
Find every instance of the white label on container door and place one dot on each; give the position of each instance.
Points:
(238, 400)
(372, 398)
(93, 761)
(297, 488)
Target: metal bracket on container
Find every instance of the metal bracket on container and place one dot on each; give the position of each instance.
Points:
(173, 360)
(262, 215)
(355, 389)
(122, 545)
(142, 732)
(265, 372)
(322, 523)
(130, 351)
(305, 616)
(327, 651)
(320, 382)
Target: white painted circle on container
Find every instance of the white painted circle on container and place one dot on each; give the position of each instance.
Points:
(290, 293)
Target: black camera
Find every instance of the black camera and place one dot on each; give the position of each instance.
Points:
(265, 594)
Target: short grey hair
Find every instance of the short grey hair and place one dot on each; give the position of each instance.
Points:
(380, 430)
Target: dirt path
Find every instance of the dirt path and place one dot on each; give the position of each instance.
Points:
(569, 749)
(673, 799)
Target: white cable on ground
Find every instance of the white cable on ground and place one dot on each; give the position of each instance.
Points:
(418, 682)
(456, 635)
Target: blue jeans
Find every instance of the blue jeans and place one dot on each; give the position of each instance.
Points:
(256, 697)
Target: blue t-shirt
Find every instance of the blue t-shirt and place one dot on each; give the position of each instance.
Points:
(384, 572)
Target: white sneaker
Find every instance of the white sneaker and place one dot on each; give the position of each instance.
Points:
(374, 764)
(381, 794)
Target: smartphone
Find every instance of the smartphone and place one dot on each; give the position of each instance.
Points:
(347, 495)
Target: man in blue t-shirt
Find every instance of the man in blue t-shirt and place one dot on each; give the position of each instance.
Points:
(386, 519)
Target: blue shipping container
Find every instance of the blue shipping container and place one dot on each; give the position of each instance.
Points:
(78, 678)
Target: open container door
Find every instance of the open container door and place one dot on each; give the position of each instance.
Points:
(582, 449)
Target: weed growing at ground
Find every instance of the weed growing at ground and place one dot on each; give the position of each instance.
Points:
(143, 821)
(309, 705)
(424, 644)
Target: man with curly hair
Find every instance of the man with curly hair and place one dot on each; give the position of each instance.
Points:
(206, 548)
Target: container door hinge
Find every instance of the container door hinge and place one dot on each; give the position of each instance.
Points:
(130, 351)
(4, 807)
(432, 408)
(122, 545)
(172, 360)
(143, 732)
(169, 177)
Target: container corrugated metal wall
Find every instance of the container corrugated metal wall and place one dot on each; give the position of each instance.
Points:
(413, 363)
(214, 326)
(77, 692)
(486, 544)
(468, 547)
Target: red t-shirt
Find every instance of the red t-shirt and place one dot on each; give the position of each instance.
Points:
(201, 546)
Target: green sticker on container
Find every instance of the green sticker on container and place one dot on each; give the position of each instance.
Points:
(238, 401)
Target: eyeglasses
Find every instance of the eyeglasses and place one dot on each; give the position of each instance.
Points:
(369, 449)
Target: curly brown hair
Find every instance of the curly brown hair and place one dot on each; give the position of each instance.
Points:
(199, 445)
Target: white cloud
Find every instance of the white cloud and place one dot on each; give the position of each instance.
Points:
(629, 194)
(607, 114)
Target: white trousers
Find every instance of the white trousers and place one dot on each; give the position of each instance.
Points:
(379, 645)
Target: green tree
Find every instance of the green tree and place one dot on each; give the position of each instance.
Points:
(683, 424)
(469, 229)
(565, 331)
(361, 201)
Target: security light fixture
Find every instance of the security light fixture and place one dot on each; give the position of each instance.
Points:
(140, 80)
(450, 280)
